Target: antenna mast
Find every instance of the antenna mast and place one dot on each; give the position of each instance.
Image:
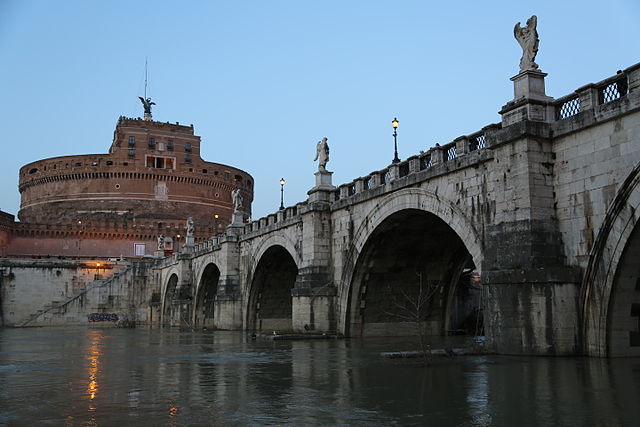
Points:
(146, 102)
(145, 76)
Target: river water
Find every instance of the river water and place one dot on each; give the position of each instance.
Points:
(153, 377)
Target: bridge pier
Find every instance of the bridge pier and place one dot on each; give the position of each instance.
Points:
(313, 301)
(228, 312)
(314, 294)
(531, 293)
(228, 303)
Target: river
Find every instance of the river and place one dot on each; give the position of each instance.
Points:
(153, 377)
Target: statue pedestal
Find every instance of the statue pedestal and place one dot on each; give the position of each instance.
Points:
(189, 241)
(530, 85)
(323, 181)
(159, 254)
(237, 219)
(237, 224)
(322, 191)
(529, 100)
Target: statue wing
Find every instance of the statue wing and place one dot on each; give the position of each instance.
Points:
(517, 33)
(317, 151)
(152, 103)
(141, 99)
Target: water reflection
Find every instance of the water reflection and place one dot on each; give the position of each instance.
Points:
(93, 356)
(156, 377)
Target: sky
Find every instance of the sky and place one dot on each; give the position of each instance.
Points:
(263, 81)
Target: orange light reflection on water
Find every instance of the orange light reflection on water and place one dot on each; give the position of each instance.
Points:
(93, 356)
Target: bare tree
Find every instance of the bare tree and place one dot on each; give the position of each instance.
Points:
(416, 309)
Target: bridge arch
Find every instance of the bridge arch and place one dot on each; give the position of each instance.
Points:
(205, 296)
(394, 245)
(273, 275)
(168, 295)
(610, 292)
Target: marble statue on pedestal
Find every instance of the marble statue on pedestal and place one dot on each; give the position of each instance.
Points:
(527, 37)
(237, 200)
(190, 227)
(322, 154)
(161, 243)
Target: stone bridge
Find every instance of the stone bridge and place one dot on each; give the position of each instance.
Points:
(526, 229)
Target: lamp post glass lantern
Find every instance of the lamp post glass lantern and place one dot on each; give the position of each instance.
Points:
(281, 193)
(394, 123)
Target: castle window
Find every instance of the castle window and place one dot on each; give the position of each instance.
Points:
(132, 141)
(78, 164)
(109, 163)
(152, 142)
(187, 159)
(170, 145)
(32, 171)
(227, 176)
(187, 147)
(160, 162)
(132, 153)
(237, 178)
(94, 163)
(204, 171)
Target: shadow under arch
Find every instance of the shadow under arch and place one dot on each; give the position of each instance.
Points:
(610, 290)
(415, 199)
(413, 270)
(168, 309)
(269, 306)
(204, 309)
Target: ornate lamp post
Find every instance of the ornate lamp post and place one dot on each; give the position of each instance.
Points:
(394, 123)
(178, 236)
(281, 193)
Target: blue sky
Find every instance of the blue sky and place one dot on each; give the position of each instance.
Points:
(263, 81)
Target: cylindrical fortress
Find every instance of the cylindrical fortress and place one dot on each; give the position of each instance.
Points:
(153, 177)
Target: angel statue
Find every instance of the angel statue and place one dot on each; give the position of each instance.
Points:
(147, 103)
(527, 37)
(190, 227)
(237, 200)
(322, 153)
(161, 242)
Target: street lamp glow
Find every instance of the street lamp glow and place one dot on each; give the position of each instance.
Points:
(281, 193)
(394, 123)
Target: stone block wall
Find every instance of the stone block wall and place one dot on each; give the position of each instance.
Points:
(45, 292)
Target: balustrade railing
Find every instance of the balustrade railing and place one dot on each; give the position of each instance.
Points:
(593, 94)
(477, 142)
(568, 107)
(425, 161)
(612, 91)
(403, 170)
(450, 151)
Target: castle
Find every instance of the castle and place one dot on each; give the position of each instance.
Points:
(118, 204)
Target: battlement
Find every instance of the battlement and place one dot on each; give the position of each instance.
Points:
(144, 124)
